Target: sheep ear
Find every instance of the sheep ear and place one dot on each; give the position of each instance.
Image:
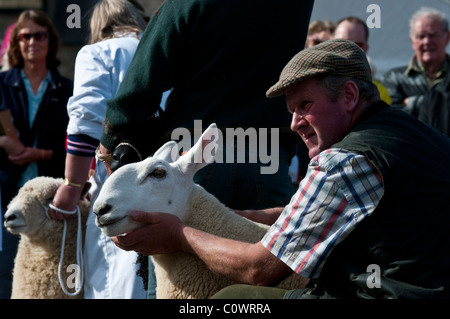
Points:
(168, 152)
(202, 153)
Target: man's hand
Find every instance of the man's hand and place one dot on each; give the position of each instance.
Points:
(242, 262)
(405, 101)
(105, 156)
(161, 235)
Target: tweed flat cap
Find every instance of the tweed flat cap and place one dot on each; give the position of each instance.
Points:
(333, 57)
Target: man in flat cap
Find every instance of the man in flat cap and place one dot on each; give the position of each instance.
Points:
(370, 219)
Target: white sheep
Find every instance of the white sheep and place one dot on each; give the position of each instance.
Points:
(35, 274)
(164, 183)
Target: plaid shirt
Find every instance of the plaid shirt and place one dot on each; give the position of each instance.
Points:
(340, 189)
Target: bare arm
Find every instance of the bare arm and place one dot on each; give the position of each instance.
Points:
(243, 262)
(67, 196)
(266, 216)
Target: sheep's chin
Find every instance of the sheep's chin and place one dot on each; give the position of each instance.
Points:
(121, 227)
(16, 230)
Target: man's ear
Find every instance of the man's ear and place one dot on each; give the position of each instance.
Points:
(447, 38)
(350, 95)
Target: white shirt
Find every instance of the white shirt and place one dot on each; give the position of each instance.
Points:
(99, 69)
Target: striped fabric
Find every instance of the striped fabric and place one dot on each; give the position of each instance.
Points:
(340, 189)
(82, 145)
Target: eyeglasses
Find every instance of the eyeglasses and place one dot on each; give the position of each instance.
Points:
(38, 36)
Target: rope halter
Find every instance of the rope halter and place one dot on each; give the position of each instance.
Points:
(79, 254)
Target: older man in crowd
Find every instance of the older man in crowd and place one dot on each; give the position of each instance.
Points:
(429, 36)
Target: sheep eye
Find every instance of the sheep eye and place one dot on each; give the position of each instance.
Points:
(158, 172)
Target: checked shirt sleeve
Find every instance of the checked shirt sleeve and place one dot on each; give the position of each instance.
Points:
(340, 189)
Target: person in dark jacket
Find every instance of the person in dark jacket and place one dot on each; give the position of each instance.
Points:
(217, 58)
(435, 110)
(408, 85)
(35, 95)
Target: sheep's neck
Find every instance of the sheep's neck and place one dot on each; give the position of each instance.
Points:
(208, 214)
(205, 213)
(43, 243)
(36, 251)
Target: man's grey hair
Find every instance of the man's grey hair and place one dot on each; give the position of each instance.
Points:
(332, 85)
(431, 12)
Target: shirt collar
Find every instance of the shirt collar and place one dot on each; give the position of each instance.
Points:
(414, 66)
(47, 78)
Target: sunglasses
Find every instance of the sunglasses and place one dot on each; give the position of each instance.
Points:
(38, 36)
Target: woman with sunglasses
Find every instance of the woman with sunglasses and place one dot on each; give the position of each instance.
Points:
(35, 95)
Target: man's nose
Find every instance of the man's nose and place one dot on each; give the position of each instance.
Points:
(297, 121)
(427, 39)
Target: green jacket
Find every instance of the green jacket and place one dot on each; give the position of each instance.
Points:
(219, 58)
(407, 235)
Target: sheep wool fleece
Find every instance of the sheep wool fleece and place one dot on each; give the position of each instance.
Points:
(183, 276)
(35, 274)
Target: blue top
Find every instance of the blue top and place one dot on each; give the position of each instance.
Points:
(46, 131)
(34, 100)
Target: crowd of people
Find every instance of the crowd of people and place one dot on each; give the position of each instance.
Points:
(418, 87)
(373, 152)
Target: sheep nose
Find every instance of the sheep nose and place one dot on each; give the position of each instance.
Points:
(10, 217)
(103, 210)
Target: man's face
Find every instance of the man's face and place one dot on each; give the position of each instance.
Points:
(429, 40)
(351, 31)
(318, 37)
(319, 121)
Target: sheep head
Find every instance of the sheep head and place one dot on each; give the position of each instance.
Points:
(26, 213)
(161, 183)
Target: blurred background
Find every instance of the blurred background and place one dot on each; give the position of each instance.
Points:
(389, 44)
